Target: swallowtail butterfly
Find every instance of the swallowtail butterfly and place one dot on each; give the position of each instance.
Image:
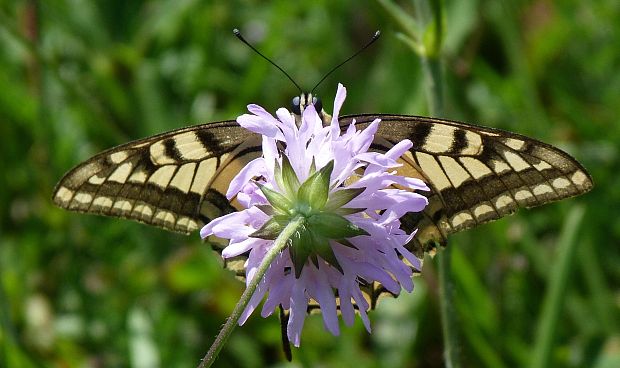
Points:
(177, 180)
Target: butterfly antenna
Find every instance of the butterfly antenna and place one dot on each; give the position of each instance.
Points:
(372, 40)
(240, 37)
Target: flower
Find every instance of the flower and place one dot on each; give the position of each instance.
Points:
(351, 201)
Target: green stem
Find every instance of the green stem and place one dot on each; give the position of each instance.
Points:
(433, 77)
(433, 82)
(279, 245)
(447, 310)
(558, 286)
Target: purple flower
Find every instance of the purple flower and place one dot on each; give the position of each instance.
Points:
(351, 201)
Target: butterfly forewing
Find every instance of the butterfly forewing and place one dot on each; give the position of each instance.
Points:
(174, 180)
(476, 174)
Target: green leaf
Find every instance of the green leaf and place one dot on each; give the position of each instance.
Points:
(346, 243)
(266, 209)
(277, 200)
(334, 226)
(325, 251)
(341, 197)
(271, 229)
(290, 181)
(315, 190)
(300, 249)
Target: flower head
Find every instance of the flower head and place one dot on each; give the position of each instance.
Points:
(350, 201)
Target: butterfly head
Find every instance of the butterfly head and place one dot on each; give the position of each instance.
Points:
(299, 104)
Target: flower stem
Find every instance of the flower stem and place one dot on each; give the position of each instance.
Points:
(279, 245)
(433, 82)
(434, 91)
(559, 282)
(447, 311)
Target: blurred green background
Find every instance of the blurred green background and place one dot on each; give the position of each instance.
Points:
(77, 77)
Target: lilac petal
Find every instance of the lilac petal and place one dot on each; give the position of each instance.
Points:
(415, 183)
(362, 306)
(399, 149)
(227, 226)
(235, 249)
(253, 169)
(255, 300)
(371, 272)
(280, 290)
(346, 307)
(351, 129)
(415, 261)
(362, 142)
(319, 288)
(341, 95)
(263, 114)
(299, 305)
(255, 124)
(237, 225)
(270, 155)
(377, 159)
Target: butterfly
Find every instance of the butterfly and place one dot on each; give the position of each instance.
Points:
(177, 180)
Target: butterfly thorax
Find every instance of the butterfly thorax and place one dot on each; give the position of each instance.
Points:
(299, 104)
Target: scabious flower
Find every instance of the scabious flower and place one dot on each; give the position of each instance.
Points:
(351, 201)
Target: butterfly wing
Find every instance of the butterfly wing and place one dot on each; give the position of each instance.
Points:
(476, 174)
(175, 180)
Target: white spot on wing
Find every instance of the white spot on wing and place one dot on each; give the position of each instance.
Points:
(64, 195)
(83, 198)
(118, 157)
(158, 154)
(189, 146)
(461, 219)
(121, 173)
(515, 144)
(138, 176)
(102, 202)
(164, 216)
(474, 143)
(516, 161)
(523, 195)
(475, 167)
(143, 210)
(183, 178)
(542, 189)
(455, 172)
(433, 171)
(123, 205)
(97, 180)
(204, 174)
(500, 167)
(579, 178)
(561, 183)
(542, 165)
(483, 210)
(187, 223)
(439, 139)
(503, 201)
(162, 176)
